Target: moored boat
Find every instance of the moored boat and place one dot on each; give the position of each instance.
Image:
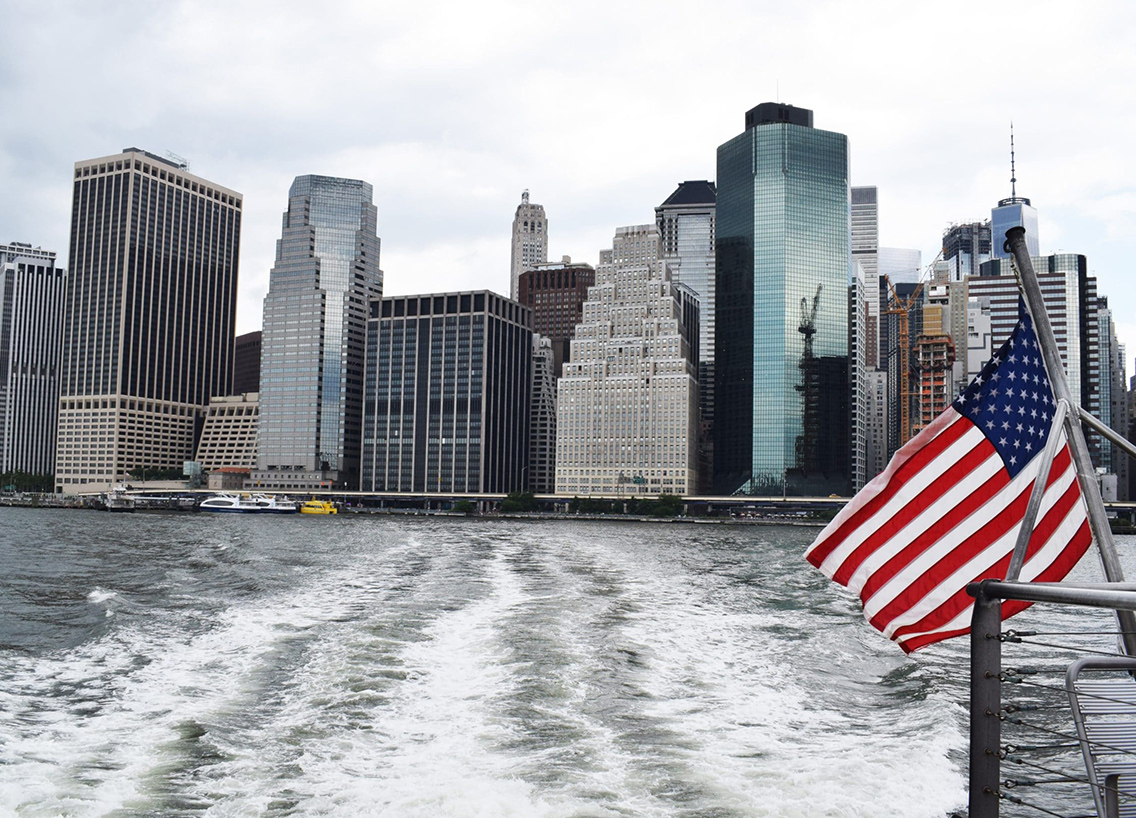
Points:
(315, 506)
(248, 504)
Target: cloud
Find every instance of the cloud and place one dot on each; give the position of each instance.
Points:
(451, 109)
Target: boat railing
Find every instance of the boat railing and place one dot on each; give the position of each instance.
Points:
(1053, 712)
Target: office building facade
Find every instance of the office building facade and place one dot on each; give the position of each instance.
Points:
(965, 247)
(32, 290)
(315, 320)
(685, 222)
(865, 252)
(150, 310)
(627, 403)
(1070, 296)
(447, 398)
(783, 260)
(530, 242)
(556, 292)
(246, 366)
(542, 419)
(228, 438)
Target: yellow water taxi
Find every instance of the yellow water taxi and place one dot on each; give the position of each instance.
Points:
(314, 506)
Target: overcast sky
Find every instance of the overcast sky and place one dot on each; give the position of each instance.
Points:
(450, 110)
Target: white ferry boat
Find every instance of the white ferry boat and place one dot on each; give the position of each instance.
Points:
(249, 504)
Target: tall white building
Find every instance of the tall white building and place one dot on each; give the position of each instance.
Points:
(627, 402)
(530, 242)
(865, 212)
(31, 331)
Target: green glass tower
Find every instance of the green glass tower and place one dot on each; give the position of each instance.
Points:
(783, 264)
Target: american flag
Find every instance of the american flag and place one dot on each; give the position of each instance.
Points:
(947, 509)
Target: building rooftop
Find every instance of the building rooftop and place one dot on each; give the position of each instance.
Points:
(693, 193)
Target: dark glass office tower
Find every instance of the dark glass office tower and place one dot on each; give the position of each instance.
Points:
(783, 258)
(32, 290)
(315, 317)
(448, 385)
(151, 304)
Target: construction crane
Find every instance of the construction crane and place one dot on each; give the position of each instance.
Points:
(901, 309)
(807, 327)
(808, 443)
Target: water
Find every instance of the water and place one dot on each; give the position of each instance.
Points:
(227, 666)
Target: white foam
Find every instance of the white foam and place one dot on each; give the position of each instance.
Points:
(462, 670)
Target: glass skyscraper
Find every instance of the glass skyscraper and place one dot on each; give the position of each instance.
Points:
(783, 259)
(315, 320)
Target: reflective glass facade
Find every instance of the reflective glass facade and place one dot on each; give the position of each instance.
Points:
(783, 257)
(315, 315)
(1013, 212)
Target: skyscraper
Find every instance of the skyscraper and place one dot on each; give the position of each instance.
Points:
(1015, 211)
(542, 419)
(1070, 295)
(31, 328)
(447, 394)
(865, 251)
(315, 321)
(965, 247)
(783, 263)
(530, 242)
(685, 222)
(151, 303)
(627, 404)
(556, 292)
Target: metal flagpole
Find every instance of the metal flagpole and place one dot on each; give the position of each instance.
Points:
(1098, 520)
(1037, 494)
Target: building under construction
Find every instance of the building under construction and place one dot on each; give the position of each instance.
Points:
(934, 356)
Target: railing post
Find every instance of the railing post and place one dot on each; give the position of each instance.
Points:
(985, 705)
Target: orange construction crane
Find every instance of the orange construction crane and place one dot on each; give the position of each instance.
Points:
(901, 309)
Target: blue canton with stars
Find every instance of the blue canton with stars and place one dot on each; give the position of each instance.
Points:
(1011, 400)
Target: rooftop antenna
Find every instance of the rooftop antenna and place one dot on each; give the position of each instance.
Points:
(180, 161)
(1013, 175)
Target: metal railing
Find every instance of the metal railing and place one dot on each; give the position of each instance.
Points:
(1029, 753)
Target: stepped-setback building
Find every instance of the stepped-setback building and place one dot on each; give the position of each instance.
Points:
(150, 310)
(627, 403)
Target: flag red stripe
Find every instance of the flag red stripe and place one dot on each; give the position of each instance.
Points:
(952, 606)
(954, 474)
(978, 541)
(918, 461)
(1054, 572)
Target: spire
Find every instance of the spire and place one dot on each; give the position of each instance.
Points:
(1013, 175)
(525, 196)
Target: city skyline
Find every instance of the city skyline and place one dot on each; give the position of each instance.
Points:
(441, 143)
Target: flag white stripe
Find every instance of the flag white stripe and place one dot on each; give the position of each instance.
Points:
(985, 471)
(877, 485)
(1054, 547)
(986, 558)
(906, 494)
(965, 529)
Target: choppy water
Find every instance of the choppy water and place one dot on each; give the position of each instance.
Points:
(220, 665)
